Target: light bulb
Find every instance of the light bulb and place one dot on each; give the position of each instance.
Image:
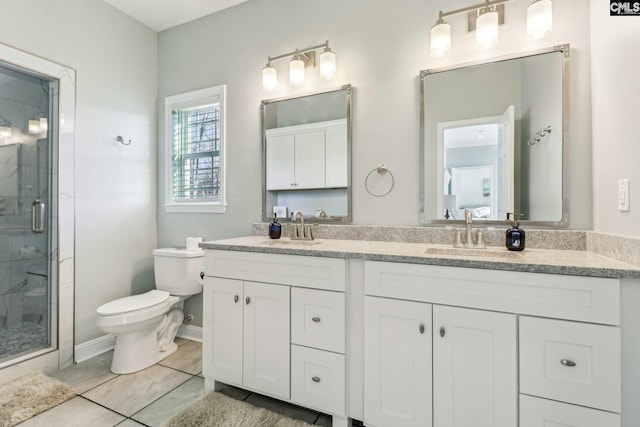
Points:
(487, 29)
(34, 126)
(5, 132)
(539, 19)
(440, 39)
(296, 71)
(269, 77)
(327, 64)
(43, 124)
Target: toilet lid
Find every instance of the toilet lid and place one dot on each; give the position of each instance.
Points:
(134, 302)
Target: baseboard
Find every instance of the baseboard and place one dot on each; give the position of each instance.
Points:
(190, 332)
(95, 347)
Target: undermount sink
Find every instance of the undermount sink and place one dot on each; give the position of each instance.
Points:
(289, 242)
(499, 253)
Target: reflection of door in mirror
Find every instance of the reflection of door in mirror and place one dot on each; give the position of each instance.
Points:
(476, 157)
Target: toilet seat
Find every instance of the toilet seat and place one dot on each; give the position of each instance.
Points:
(136, 308)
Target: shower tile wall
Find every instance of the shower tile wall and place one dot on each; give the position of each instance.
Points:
(23, 256)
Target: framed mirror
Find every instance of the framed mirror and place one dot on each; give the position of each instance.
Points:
(494, 140)
(306, 153)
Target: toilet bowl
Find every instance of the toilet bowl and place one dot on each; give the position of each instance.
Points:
(145, 325)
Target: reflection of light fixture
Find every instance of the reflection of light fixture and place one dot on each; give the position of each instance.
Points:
(34, 126)
(5, 132)
(300, 59)
(484, 19)
(43, 124)
(539, 19)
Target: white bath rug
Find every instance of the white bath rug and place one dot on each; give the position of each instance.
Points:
(217, 410)
(27, 396)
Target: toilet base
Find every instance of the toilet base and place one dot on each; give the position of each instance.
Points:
(138, 351)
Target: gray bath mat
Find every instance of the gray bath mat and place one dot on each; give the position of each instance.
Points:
(217, 410)
(27, 396)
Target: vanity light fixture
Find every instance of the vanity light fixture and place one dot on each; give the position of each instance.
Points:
(5, 132)
(38, 126)
(300, 59)
(484, 19)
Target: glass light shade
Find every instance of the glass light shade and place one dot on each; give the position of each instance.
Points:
(539, 19)
(34, 126)
(44, 125)
(327, 64)
(487, 30)
(440, 39)
(296, 71)
(5, 132)
(269, 77)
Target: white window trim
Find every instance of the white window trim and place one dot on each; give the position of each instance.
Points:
(208, 95)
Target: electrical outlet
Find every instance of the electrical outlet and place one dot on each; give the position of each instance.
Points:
(623, 195)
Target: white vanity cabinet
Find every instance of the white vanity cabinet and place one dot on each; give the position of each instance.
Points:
(307, 156)
(275, 324)
(550, 344)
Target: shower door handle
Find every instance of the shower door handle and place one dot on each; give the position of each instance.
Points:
(37, 216)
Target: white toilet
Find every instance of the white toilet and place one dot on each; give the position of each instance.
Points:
(145, 325)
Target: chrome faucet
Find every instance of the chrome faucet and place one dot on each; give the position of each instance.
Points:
(469, 242)
(300, 232)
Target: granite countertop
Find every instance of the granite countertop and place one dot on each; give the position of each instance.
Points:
(569, 262)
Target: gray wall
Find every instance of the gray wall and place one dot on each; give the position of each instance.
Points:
(380, 48)
(115, 58)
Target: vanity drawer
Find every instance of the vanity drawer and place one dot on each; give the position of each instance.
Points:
(536, 412)
(318, 379)
(572, 362)
(587, 299)
(318, 319)
(294, 270)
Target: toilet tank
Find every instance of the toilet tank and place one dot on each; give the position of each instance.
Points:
(177, 270)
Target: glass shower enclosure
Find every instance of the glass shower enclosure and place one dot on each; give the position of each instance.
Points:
(28, 241)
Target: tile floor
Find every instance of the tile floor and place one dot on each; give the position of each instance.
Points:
(146, 398)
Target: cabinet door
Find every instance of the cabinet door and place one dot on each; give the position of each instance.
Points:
(397, 363)
(222, 328)
(279, 162)
(474, 368)
(309, 160)
(266, 338)
(336, 156)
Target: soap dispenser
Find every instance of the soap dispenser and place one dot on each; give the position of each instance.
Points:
(515, 235)
(275, 228)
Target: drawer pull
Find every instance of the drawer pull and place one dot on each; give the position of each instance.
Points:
(422, 328)
(568, 363)
(316, 319)
(236, 298)
(247, 300)
(442, 331)
(315, 379)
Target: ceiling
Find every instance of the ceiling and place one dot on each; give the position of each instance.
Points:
(162, 14)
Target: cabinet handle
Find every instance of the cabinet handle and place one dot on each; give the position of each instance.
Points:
(247, 300)
(315, 379)
(442, 331)
(236, 298)
(316, 319)
(422, 328)
(568, 363)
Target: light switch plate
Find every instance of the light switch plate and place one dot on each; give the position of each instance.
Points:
(623, 195)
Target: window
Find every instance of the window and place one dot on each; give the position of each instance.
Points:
(195, 142)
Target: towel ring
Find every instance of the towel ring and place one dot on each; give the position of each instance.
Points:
(382, 170)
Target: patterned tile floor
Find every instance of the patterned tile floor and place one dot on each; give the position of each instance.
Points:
(146, 398)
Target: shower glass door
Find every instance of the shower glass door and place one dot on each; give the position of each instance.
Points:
(27, 238)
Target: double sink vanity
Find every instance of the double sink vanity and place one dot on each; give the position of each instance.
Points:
(414, 334)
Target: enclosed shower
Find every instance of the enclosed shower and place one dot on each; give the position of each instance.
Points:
(28, 201)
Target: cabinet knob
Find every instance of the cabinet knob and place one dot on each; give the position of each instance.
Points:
(236, 298)
(247, 300)
(315, 379)
(316, 319)
(568, 363)
(442, 331)
(422, 328)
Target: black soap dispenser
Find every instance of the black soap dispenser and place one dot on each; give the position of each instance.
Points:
(515, 235)
(275, 228)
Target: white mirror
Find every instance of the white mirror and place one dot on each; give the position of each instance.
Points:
(307, 156)
(494, 139)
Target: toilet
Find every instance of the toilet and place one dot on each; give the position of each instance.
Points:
(145, 325)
